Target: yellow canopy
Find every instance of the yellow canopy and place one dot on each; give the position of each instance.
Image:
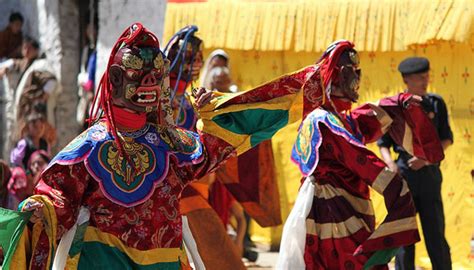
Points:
(309, 26)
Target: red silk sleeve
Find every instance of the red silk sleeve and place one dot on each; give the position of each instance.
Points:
(407, 124)
(372, 121)
(412, 128)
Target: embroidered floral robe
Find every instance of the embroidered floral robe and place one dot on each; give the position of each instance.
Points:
(134, 213)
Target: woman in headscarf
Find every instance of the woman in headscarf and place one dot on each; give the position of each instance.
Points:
(217, 58)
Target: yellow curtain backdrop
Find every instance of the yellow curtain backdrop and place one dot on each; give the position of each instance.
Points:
(309, 26)
(268, 38)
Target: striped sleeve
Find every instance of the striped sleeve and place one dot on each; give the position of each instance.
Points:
(399, 227)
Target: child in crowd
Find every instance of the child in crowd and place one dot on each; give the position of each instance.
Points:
(31, 132)
(21, 182)
(36, 164)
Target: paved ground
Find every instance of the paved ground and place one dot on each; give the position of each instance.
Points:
(266, 260)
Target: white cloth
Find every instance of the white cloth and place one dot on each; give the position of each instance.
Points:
(191, 246)
(293, 239)
(50, 86)
(7, 64)
(64, 246)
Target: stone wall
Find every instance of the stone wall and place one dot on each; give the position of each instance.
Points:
(59, 32)
(116, 15)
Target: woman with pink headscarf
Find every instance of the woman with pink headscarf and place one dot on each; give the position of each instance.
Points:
(21, 183)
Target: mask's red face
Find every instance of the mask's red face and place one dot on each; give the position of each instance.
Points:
(137, 76)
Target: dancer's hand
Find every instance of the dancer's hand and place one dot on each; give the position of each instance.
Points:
(36, 208)
(413, 100)
(393, 167)
(203, 96)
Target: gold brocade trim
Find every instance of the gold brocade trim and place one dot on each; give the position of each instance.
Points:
(382, 116)
(19, 258)
(396, 226)
(73, 263)
(49, 224)
(408, 139)
(327, 192)
(383, 179)
(335, 230)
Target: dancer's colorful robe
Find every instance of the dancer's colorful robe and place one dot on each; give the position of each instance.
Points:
(204, 234)
(134, 216)
(340, 227)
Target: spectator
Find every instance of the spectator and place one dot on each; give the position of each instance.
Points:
(18, 189)
(5, 175)
(86, 78)
(35, 98)
(38, 86)
(16, 68)
(18, 184)
(220, 80)
(218, 58)
(31, 83)
(423, 178)
(11, 37)
(38, 161)
(32, 138)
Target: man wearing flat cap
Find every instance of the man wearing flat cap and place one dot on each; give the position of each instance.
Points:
(423, 178)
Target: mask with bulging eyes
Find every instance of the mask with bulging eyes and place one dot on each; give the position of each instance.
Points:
(349, 75)
(137, 75)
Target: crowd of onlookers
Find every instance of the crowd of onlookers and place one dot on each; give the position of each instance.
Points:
(29, 89)
(28, 86)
